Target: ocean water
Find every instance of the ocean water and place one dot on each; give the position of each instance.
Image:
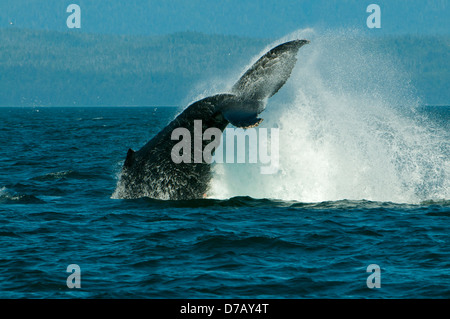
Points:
(59, 168)
(363, 179)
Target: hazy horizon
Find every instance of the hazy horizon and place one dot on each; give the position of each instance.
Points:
(159, 53)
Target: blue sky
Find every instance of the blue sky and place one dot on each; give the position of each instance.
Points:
(264, 18)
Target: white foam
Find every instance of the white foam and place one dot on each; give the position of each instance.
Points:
(348, 130)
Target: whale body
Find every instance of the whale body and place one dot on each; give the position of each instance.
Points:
(151, 172)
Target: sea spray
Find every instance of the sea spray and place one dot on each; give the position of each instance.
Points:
(349, 129)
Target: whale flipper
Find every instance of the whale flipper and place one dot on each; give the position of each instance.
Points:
(152, 172)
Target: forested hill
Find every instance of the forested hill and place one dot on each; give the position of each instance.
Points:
(49, 68)
(53, 68)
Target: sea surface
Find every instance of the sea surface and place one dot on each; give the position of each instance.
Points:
(59, 168)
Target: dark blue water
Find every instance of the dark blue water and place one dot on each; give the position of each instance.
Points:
(59, 167)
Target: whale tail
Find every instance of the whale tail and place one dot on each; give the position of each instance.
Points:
(151, 171)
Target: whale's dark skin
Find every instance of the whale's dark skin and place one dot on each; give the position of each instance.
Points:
(151, 172)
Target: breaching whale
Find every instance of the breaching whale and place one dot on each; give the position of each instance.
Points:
(151, 172)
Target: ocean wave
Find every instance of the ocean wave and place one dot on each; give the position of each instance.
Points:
(248, 201)
(9, 197)
(252, 242)
(57, 175)
(68, 174)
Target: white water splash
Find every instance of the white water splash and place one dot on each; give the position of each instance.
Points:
(348, 130)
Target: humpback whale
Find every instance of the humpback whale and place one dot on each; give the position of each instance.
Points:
(151, 172)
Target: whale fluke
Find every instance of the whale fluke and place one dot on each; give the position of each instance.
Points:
(267, 75)
(151, 172)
